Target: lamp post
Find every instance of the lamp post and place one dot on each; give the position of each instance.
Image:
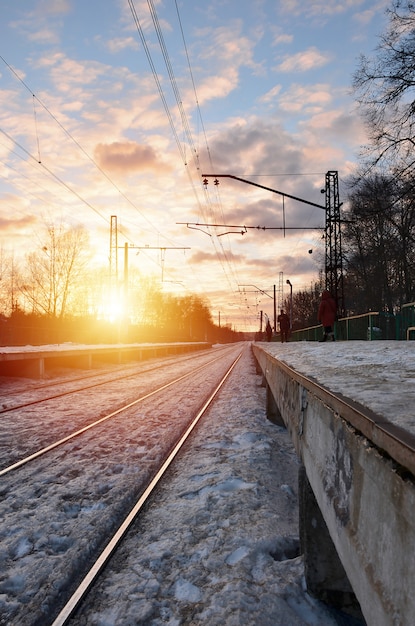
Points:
(291, 303)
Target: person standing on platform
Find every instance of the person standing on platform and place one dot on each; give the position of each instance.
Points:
(268, 331)
(284, 322)
(327, 315)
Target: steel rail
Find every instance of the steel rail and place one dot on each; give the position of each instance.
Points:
(167, 361)
(397, 442)
(60, 442)
(70, 381)
(83, 588)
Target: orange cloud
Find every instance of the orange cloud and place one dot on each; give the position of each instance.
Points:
(127, 157)
(8, 224)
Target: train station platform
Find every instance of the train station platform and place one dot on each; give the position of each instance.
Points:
(349, 409)
(39, 361)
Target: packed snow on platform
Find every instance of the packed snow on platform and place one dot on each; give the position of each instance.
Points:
(378, 374)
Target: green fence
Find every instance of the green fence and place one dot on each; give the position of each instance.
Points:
(406, 321)
(368, 326)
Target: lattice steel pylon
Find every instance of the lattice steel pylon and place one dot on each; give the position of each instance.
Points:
(334, 256)
(280, 291)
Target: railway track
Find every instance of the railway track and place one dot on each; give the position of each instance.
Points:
(92, 486)
(71, 406)
(12, 396)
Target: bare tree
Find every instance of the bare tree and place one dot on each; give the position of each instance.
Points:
(379, 241)
(9, 280)
(53, 272)
(305, 305)
(384, 86)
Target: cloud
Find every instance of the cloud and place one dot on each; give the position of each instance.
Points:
(282, 38)
(14, 223)
(119, 44)
(52, 7)
(364, 17)
(217, 86)
(338, 125)
(227, 50)
(271, 95)
(68, 74)
(44, 36)
(201, 256)
(128, 156)
(38, 26)
(318, 8)
(310, 99)
(303, 61)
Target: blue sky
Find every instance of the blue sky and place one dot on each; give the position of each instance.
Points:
(265, 94)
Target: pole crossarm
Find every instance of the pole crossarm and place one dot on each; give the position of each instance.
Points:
(245, 228)
(130, 247)
(250, 182)
(162, 249)
(258, 289)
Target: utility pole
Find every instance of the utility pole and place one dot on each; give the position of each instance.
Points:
(113, 252)
(163, 252)
(334, 257)
(266, 294)
(275, 311)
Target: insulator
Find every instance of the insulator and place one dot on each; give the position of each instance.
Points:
(216, 181)
(205, 182)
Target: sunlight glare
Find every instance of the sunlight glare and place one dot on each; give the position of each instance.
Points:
(112, 309)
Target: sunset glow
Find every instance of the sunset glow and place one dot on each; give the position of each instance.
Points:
(97, 119)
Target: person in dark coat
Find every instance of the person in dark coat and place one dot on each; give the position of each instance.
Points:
(327, 315)
(284, 322)
(268, 330)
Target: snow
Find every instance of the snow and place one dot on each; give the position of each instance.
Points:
(378, 374)
(219, 542)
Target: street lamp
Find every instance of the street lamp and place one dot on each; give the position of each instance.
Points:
(291, 303)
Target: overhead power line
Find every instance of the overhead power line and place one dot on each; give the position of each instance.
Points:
(76, 142)
(207, 206)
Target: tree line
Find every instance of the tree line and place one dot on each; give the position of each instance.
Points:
(54, 295)
(379, 232)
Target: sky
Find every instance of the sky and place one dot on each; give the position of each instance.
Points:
(121, 108)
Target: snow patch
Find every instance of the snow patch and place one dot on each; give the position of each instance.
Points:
(186, 591)
(237, 555)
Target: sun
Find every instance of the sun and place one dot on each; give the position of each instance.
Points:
(111, 308)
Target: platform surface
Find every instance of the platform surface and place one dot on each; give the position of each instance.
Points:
(378, 374)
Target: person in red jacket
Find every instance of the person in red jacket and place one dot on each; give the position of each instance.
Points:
(327, 315)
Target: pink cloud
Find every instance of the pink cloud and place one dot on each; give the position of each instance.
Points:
(128, 157)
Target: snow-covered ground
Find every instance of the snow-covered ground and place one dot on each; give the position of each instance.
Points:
(56, 511)
(378, 374)
(219, 544)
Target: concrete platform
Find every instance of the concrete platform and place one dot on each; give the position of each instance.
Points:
(36, 361)
(357, 485)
